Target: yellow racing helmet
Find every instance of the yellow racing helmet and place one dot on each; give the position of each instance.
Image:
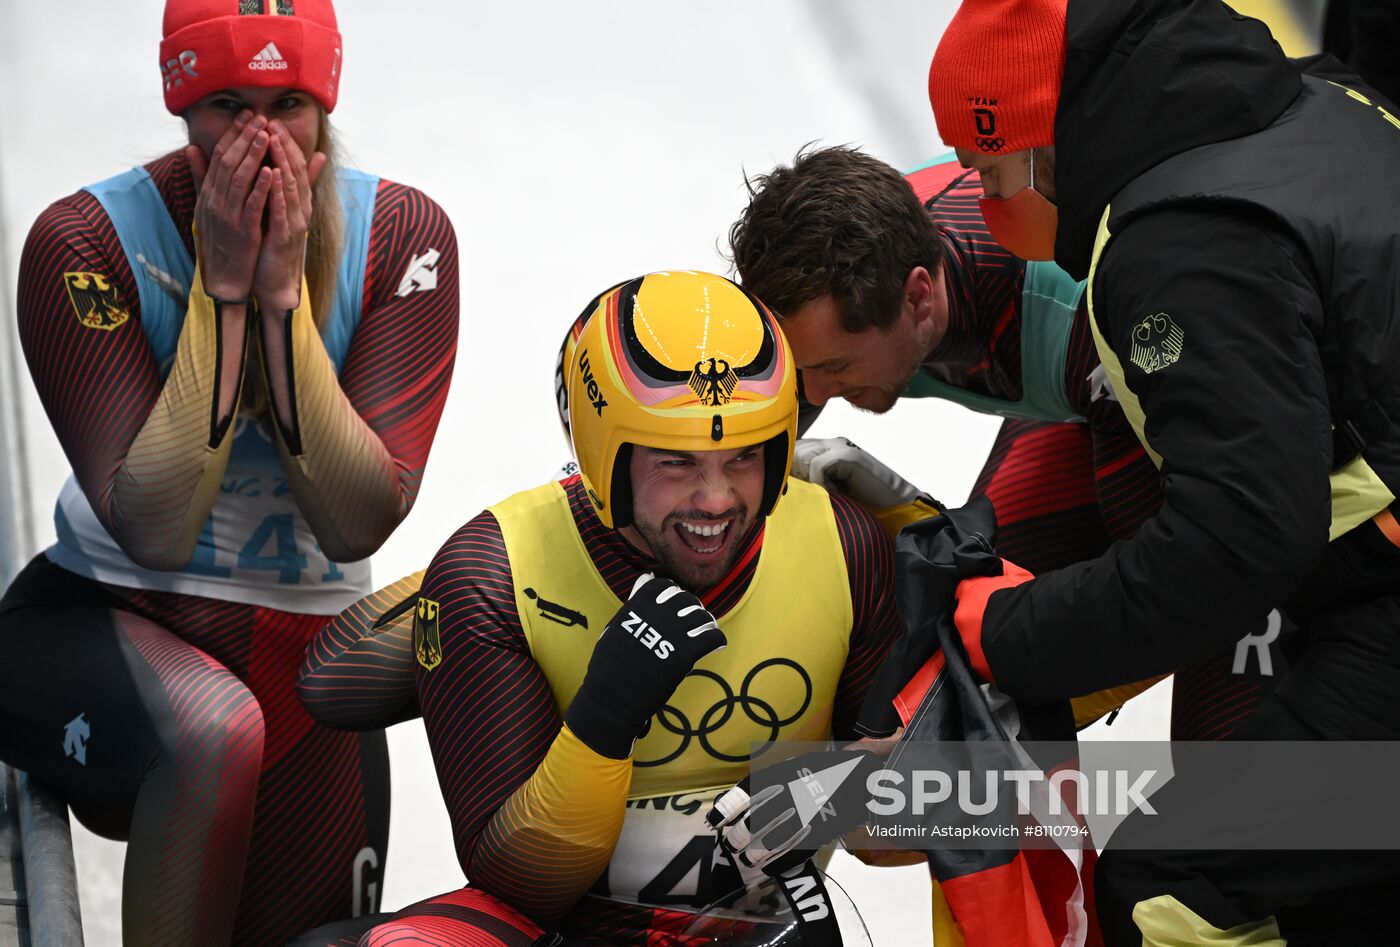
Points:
(684, 361)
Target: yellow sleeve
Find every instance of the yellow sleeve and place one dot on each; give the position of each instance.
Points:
(358, 670)
(895, 518)
(345, 482)
(1091, 707)
(558, 831)
(164, 490)
(387, 611)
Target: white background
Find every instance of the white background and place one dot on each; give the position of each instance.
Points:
(573, 145)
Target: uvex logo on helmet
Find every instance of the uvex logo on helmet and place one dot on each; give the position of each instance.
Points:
(590, 384)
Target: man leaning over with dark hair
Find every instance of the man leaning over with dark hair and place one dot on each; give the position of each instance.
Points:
(891, 286)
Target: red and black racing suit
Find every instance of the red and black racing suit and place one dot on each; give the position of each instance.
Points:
(491, 717)
(171, 720)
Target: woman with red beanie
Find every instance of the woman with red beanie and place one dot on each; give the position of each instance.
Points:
(1234, 214)
(244, 351)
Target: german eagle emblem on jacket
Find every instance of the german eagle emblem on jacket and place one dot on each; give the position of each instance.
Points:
(1157, 342)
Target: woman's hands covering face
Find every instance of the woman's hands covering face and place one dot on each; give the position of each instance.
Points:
(252, 212)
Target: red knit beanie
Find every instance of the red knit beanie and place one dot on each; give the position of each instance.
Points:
(222, 44)
(995, 78)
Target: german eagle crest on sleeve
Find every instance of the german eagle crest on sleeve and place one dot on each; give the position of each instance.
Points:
(96, 300)
(1157, 342)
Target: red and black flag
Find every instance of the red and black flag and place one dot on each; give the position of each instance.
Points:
(1032, 895)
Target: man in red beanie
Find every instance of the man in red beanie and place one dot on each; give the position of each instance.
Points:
(218, 339)
(1234, 214)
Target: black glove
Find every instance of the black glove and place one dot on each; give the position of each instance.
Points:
(644, 653)
(777, 818)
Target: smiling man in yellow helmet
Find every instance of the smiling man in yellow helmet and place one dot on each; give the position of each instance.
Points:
(598, 656)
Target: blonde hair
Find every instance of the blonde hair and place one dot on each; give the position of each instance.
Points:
(326, 234)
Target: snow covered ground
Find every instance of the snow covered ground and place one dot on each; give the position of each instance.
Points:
(573, 145)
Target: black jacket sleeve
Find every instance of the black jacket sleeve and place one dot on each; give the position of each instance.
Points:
(1240, 421)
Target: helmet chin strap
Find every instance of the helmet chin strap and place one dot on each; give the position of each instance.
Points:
(624, 513)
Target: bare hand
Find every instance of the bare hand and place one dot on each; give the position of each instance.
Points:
(277, 279)
(233, 188)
